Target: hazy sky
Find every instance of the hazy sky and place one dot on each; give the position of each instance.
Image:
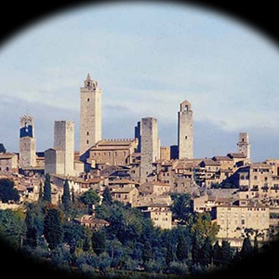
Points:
(147, 58)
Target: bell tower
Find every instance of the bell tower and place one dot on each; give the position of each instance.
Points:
(90, 114)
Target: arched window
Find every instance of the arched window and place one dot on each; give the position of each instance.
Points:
(186, 108)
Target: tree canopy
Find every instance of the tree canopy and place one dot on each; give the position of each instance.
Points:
(7, 191)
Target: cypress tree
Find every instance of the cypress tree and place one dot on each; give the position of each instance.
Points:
(196, 249)
(41, 192)
(246, 250)
(169, 253)
(181, 250)
(99, 242)
(73, 195)
(226, 252)
(147, 254)
(66, 197)
(216, 254)
(47, 189)
(207, 252)
(107, 198)
(53, 228)
(256, 246)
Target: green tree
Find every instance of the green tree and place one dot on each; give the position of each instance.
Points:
(181, 207)
(256, 246)
(90, 198)
(2, 148)
(226, 251)
(73, 195)
(147, 254)
(73, 234)
(217, 254)
(12, 227)
(169, 254)
(47, 189)
(99, 242)
(246, 250)
(207, 252)
(202, 227)
(41, 194)
(7, 191)
(196, 249)
(66, 197)
(53, 228)
(107, 198)
(181, 250)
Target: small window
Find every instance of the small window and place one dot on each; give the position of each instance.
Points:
(87, 141)
(87, 133)
(88, 100)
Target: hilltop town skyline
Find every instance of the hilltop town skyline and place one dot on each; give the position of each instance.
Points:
(173, 62)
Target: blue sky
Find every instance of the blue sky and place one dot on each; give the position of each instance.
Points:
(147, 58)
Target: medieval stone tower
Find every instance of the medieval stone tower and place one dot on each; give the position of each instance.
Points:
(244, 145)
(90, 114)
(27, 142)
(150, 146)
(185, 131)
(64, 141)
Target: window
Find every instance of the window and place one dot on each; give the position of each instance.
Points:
(185, 137)
(87, 133)
(87, 141)
(255, 177)
(88, 100)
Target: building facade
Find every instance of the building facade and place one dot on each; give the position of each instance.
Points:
(90, 114)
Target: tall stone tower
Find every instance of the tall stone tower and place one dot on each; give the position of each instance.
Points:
(90, 114)
(27, 142)
(64, 141)
(185, 131)
(243, 144)
(149, 146)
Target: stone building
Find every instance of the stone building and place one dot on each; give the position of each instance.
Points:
(8, 162)
(165, 153)
(112, 152)
(27, 142)
(185, 131)
(150, 146)
(154, 187)
(234, 218)
(160, 215)
(126, 194)
(90, 114)
(244, 144)
(60, 158)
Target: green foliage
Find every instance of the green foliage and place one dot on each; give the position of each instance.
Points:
(7, 191)
(99, 242)
(66, 197)
(206, 254)
(12, 227)
(2, 148)
(217, 254)
(107, 198)
(53, 228)
(246, 250)
(147, 254)
(181, 250)
(47, 189)
(73, 234)
(202, 227)
(181, 207)
(226, 251)
(90, 198)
